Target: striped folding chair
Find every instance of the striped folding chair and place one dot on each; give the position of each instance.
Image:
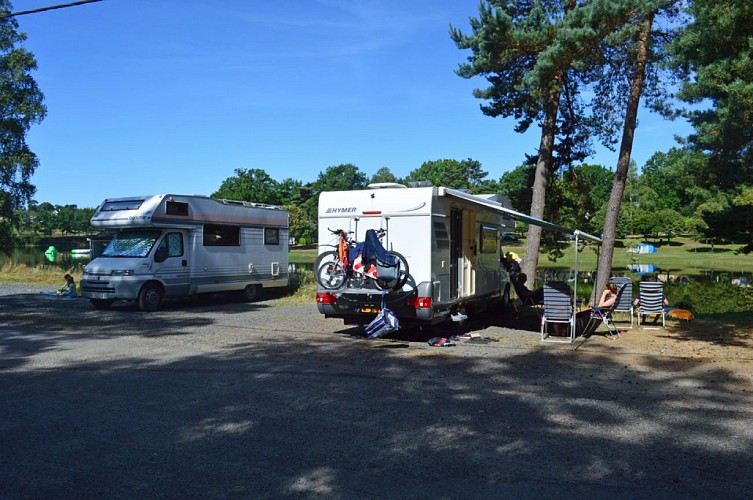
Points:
(558, 311)
(604, 315)
(651, 301)
(626, 299)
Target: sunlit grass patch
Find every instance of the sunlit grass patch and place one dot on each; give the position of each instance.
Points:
(38, 275)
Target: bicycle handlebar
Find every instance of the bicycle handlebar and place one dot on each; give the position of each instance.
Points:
(380, 232)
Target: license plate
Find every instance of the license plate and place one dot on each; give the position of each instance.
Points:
(370, 310)
(102, 296)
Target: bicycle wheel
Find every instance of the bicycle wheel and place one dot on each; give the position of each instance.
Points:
(331, 275)
(330, 256)
(402, 276)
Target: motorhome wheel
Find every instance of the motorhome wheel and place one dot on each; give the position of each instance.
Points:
(150, 297)
(251, 293)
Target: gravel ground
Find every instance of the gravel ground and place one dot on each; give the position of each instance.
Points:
(18, 289)
(212, 398)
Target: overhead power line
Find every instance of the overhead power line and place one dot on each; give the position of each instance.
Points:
(43, 9)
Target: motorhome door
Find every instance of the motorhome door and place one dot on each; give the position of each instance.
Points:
(462, 253)
(170, 262)
(456, 251)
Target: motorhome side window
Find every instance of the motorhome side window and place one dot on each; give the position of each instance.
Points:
(176, 208)
(271, 235)
(441, 235)
(218, 235)
(171, 246)
(115, 206)
(489, 238)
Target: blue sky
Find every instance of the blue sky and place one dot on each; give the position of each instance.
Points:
(148, 96)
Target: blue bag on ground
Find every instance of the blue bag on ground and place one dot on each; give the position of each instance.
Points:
(384, 323)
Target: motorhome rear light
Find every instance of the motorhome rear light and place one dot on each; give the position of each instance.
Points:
(420, 302)
(325, 298)
(372, 212)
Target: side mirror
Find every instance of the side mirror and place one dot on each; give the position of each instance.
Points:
(161, 254)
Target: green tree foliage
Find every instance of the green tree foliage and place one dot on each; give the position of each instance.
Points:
(21, 105)
(517, 185)
(384, 174)
(46, 218)
(671, 176)
(714, 59)
(343, 177)
(583, 191)
(728, 218)
(254, 185)
(464, 174)
(506, 39)
(291, 192)
(629, 50)
(302, 227)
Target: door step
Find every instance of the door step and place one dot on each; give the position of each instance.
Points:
(458, 317)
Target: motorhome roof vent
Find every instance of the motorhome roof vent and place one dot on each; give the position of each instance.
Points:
(247, 204)
(386, 185)
(420, 184)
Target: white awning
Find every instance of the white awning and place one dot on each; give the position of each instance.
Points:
(496, 206)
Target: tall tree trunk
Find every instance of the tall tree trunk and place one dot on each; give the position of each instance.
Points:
(541, 178)
(623, 163)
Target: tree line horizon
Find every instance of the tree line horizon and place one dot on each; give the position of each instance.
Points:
(578, 197)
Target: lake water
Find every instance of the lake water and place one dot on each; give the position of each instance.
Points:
(35, 257)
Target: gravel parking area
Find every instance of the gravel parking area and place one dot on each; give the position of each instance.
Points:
(212, 398)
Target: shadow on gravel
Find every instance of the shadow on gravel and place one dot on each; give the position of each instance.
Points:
(77, 317)
(324, 416)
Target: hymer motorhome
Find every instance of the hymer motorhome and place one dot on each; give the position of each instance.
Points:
(450, 239)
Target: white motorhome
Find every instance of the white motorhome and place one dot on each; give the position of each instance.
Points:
(450, 239)
(175, 246)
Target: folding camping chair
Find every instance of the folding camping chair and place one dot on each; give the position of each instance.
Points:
(604, 314)
(626, 299)
(558, 309)
(651, 300)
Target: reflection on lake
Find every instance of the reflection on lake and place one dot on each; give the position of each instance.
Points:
(637, 273)
(36, 256)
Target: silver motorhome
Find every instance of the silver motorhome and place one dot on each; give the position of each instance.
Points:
(171, 246)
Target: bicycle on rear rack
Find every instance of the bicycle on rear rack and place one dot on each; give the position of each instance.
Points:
(350, 264)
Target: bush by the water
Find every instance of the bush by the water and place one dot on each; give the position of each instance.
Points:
(710, 298)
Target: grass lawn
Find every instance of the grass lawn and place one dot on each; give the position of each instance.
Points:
(681, 256)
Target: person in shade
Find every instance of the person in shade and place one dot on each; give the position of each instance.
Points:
(530, 297)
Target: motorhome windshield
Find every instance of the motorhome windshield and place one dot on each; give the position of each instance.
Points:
(114, 206)
(131, 244)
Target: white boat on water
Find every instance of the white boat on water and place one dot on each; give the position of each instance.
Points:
(81, 252)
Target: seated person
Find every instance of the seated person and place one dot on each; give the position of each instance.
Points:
(650, 278)
(608, 296)
(511, 263)
(531, 297)
(69, 289)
